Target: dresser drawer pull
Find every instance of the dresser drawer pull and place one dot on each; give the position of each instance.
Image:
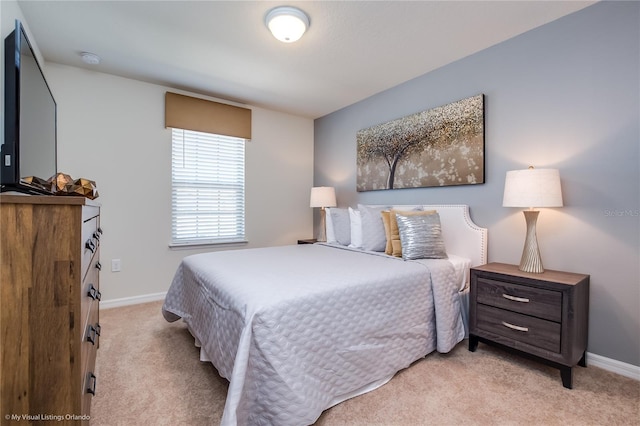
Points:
(515, 327)
(98, 329)
(89, 245)
(96, 235)
(91, 335)
(92, 384)
(99, 230)
(99, 266)
(94, 293)
(515, 299)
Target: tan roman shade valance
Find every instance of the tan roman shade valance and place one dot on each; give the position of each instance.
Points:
(185, 112)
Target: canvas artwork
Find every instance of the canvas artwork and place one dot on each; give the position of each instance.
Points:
(441, 146)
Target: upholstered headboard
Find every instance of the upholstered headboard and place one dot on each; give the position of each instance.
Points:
(461, 236)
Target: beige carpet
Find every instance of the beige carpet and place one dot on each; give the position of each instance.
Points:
(148, 373)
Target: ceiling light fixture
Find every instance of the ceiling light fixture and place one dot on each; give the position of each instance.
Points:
(90, 58)
(287, 23)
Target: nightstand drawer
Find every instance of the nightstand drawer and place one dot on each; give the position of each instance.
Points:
(546, 304)
(522, 328)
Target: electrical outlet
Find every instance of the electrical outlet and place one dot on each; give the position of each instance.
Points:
(116, 265)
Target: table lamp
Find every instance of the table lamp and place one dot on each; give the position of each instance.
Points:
(532, 188)
(322, 196)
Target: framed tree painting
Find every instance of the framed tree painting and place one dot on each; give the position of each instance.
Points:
(441, 146)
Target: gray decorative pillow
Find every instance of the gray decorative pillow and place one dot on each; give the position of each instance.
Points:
(373, 236)
(341, 226)
(421, 237)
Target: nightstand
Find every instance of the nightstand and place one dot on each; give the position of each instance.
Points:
(309, 241)
(544, 316)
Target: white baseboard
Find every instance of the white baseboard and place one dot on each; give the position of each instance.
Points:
(134, 300)
(618, 367)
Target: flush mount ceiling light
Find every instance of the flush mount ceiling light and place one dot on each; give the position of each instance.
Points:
(90, 58)
(287, 23)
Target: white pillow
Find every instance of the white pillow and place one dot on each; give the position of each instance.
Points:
(328, 223)
(373, 236)
(339, 225)
(355, 220)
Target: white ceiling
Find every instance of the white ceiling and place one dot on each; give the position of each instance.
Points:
(353, 49)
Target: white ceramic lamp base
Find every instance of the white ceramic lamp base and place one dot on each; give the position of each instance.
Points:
(322, 232)
(531, 261)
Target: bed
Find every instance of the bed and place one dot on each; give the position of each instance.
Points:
(297, 329)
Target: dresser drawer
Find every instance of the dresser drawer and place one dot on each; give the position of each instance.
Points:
(541, 303)
(89, 293)
(521, 328)
(91, 333)
(90, 243)
(89, 348)
(89, 385)
(90, 338)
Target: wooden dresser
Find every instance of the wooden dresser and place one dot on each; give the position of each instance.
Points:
(49, 299)
(541, 315)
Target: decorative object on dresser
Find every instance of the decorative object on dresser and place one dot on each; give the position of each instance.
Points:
(545, 315)
(322, 196)
(64, 184)
(532, 188)
(50, 257)
(42, 185)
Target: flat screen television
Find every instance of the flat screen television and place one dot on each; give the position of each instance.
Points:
(30, 129)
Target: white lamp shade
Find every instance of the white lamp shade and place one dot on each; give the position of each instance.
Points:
(323, 196)
(286, 23)
(532, 188)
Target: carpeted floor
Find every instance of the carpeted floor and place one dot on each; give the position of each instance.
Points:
(149, 373)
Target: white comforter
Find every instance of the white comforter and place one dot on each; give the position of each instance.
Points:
(295, 329)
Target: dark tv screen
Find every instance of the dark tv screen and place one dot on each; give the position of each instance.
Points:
(30, 136)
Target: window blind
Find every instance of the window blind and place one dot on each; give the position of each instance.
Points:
(207, 197)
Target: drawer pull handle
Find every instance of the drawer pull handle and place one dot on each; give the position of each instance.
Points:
(98, 329)
(99, 230)
(89, 245)
(515, 299)
(515, 327)
(96, 235)
(99, 266)
(94, 293)
(92, 384)
(91, 335)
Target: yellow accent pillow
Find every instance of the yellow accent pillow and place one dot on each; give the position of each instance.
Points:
(386, 219)
(394, 247)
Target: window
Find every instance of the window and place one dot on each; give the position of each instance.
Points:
(207, 196)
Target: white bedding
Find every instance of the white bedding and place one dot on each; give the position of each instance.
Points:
(461, 266)
(296, 329)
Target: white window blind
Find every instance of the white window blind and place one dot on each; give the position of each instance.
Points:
(207, 197)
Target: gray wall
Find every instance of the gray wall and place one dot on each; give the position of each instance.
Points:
(565, 96)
